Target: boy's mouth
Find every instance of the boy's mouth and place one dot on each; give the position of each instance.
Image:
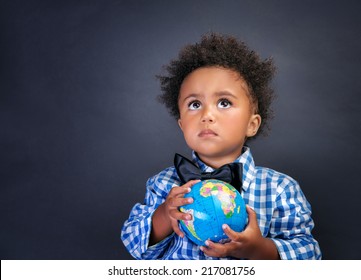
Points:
(207, 133)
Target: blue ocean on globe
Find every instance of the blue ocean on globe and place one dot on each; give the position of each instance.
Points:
(215, 203)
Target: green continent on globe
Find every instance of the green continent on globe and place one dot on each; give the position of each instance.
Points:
(189, 224)
(225, 195)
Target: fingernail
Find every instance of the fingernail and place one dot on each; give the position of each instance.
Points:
(206, 242)
(224, 226)
(190, 200)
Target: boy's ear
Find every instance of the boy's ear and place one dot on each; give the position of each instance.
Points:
(180, 123)
(253, 125)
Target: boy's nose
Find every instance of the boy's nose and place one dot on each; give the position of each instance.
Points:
(208, 116)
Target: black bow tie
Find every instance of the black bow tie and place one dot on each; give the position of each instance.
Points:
(187, 170)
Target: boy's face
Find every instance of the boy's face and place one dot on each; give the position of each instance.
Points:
(216, 114)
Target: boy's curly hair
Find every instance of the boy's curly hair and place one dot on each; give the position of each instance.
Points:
(227, 52)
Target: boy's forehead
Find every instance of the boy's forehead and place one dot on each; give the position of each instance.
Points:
(216, 69)
(213, 76)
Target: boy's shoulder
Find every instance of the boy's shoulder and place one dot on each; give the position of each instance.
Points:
(166, 177)
(263, 175)
(270, 176)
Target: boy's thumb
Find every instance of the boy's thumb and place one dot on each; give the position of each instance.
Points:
(252, 216)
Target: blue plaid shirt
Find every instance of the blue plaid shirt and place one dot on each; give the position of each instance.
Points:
(283, 214)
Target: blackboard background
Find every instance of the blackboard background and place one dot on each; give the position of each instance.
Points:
(81, 129)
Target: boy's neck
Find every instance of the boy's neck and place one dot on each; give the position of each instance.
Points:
(217, 162)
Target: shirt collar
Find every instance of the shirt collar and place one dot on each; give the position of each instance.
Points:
(245, 158)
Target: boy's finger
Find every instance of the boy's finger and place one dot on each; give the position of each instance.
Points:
(176, 191)
(213, 249)
(177, 215)
(191, 183)
(186, 188)
(233, 235)
(252, 216)
(176, 229)
(177, 202)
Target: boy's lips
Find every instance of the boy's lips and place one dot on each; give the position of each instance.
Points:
(207, 133)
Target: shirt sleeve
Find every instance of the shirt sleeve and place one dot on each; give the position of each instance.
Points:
(137, 228)
(292, 224)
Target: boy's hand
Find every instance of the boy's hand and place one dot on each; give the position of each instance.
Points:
(249, 244)
(174, 200)
(165, 218)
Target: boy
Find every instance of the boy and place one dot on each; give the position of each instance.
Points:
(219, 91)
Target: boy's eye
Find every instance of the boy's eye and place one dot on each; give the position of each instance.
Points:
(224, 103)
(194, 105)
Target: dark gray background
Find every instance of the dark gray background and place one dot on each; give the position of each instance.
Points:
(81, 129)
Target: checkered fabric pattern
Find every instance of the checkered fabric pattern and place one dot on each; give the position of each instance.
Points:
(283, 214)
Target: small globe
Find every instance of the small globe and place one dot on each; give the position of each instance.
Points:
(214, 203)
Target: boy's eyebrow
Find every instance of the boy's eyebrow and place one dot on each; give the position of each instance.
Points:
(192, 95)
(225, 93)
(218, 94)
